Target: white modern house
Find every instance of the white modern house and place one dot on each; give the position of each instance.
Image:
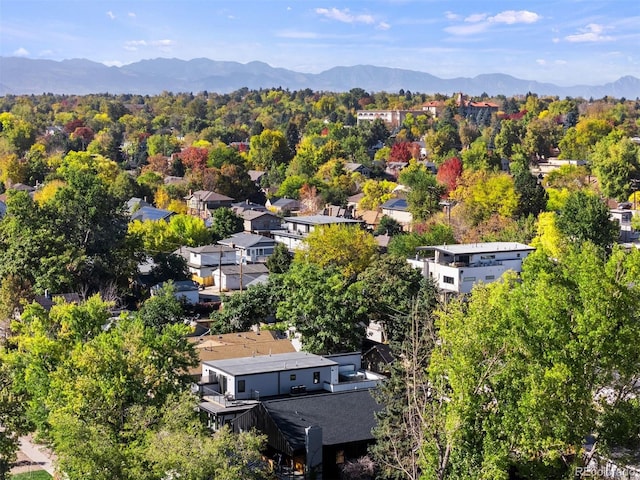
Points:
(233, 386)
(295, 229)
(456, 268)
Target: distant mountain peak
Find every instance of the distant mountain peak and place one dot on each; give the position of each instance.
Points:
(153, 76)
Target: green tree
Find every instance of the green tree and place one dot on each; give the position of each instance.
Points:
(388, 226)
(323, 307)
(425, 192)
(224, 455)
(616, 162)
(523, 361)
(162, 309)
(280, 260)
(508, 138)
(532, 197)
(241, 310)
(268, 149)
(346, 247)
(12, 419)
(586, 218)
(225, 223)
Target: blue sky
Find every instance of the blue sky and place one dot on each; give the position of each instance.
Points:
(566, 42)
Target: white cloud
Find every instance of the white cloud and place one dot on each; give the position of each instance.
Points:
(112, 63)
(451, 16)
(296, 34)
(476, 17)
(591, 33)
(479, 22)
(469, 29)
(541, 61)
(512, 16)
(111, 15)
(134, 45)
(383, 26)
(132, 14)
(21, 52)
(344, 16)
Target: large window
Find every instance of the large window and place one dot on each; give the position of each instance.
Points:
(241, 386)
(316, 377)
(448, 280)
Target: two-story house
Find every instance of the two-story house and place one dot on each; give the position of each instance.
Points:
(202, 202)
(295, 229)
(203, 261)
(250, 247)
(456, 268)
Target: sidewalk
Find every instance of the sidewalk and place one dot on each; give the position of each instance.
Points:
(38, 457)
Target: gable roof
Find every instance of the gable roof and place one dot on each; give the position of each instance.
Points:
(151, 213)
(246, 240)
(344, 417)
(209, 196)
(286, 203)
(253, 214)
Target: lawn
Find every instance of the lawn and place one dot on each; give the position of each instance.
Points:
(37, 475)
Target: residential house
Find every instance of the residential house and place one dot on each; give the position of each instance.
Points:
(398, 209)
(144, 214)
(240, 207)
(201, 203)
(135, 203)
(48, 300)
(237, 277)
(202, 261)
(184, 290)
(352, 167)
(250, 247)
(623, 217)
(257, 221)
(313, 435)
(457, 268)
(238, 345)
(393, 169)
(257, 176)
(295, 229)
(283, 205)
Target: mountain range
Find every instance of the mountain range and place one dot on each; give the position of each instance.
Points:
(22, 76)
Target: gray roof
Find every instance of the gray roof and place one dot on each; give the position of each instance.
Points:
(253, 214)
(249, 269)
(246, 240)
(270, 363)
(396, 204)
(344, 417)
(151, 213)
(210, 249)
(472, 248)
(320, 220)
(209, 196)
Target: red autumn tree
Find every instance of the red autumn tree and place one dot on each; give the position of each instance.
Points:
(449, 173)
(401, 152)
(194, 158)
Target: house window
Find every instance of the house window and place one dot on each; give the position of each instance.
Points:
(240, 386)
(292, 377)
(448, 280)
(487, 257)
(469, 279)
(490, 277)
(316, 377)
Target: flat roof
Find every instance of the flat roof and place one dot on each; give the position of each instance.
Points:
(471, 248)
(320, 220)
(270, 363)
